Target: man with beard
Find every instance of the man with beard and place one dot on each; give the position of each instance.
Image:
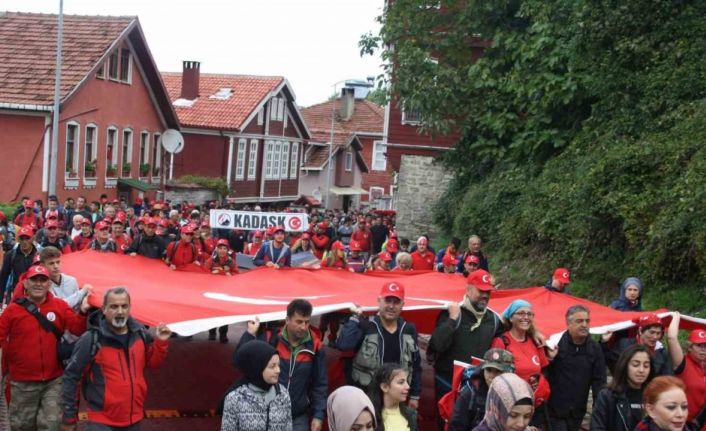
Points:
(113, 344)
(147, 243)
(463, 330)
(275, 253)
(383, 338)
(577, 368)
(53, 239)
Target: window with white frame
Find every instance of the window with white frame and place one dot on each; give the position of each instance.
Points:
(125, 65)
(111, 152)
(375, 193)
(252, 160)
(276, 158)
(113, 68)
(126, 154)
(156, 154)
(411, 116)
(144, 150)
(349, 161)
(294, 163)
(240, 161)
(273, 108)
(268, 159)
(90, 148)
(71, 154)
(285, 160)
(261, 116)
(277, 109)
(379, 157)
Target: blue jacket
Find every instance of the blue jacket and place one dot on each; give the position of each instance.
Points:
(364, 335)
(622, 303)
(265, 255)
(303, 372)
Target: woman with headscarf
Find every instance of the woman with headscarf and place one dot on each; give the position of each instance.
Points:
(630, 295)
(510, 405)
(349, 409)
(257, 402)
(530, 358)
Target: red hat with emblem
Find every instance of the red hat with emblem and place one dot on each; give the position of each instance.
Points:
(51, 224)
(392, 246)
(387, 257)
(221, 242)
(52, 214)
(102, 225)
(120, 218)
(151, 221)
(649, 319)
(481, 279)
(258, 234)
(562, 275)
(472, 258)
(697, 336)
(337, 245)
(27, 203)
(26, 231)
(392, 288)
(37, 270)
(355, 246)
(85, 221)
(448, 260)
(278, 228)
(187, 228)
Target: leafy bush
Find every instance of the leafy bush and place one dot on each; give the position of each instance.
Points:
(218, 184)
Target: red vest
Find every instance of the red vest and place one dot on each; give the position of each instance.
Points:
(694, 378)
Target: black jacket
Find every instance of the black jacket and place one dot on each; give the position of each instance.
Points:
(469, 409)
(611, 412)
(148, 246)
(575, 370)
(14, 264)
(659, 359)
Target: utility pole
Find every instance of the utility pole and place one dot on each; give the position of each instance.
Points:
(53, 154)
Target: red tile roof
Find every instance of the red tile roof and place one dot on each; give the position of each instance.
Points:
(367, 117)
(28, 53)
(248, 93)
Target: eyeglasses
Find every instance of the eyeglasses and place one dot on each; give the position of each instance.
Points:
(524, 314)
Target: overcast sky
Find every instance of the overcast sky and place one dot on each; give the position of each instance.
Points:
(313, 43)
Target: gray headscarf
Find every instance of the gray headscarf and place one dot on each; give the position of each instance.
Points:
(344, 405)
(504, 392)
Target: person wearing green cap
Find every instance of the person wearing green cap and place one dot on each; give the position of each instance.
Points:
(469, 409)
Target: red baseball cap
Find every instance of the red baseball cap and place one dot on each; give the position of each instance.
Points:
(422, 240)
(27, 203)
(26, 231)
(481, 279)
(164, 223)
(562, 275)
(37, 270)
(648, 319)
(322, 225)
(120, 218)
(392, 246)
(448, 260)
(151, 221)
(51, 224)
(392, 288)
(387, 257)
(52, 214)
(393, 235)
(102, 225)
(258, 234)
(306, 235)
(221, 242)
(85, 221)
(697, 336)
(270, 231)
(278, 228)
(187, 228)
(472, 258)
(337, 245)
(354, 246)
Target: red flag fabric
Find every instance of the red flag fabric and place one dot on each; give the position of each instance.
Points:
(191, 301)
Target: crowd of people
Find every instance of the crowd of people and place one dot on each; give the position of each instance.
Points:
(54, 346)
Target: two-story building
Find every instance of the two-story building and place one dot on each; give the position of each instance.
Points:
(244, 128)
(113, 107)
(360, 175)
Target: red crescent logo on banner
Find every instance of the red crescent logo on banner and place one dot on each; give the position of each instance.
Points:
(535, 360)
(294, 223)
(486, 278)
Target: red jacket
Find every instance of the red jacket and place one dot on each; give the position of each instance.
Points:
(81, 242)
(122, 243)
(425, 262)
(28, 218)
(320, 242)
(113, 375)
(181, 254)
(29, 349)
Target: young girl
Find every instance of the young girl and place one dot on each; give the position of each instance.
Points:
(388, 392)
(258, 402)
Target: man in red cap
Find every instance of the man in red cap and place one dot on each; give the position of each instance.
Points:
(147, 243)
(382, 338)
(53, 239)
(650, 331)
(464, 330)
(448, 264)
(356, 261)
(422, 257)
(120, 237)
(18, 260)
(320, 240)
(470, 264)
(28, 338)
(382, 261)
(252, 248)
(82, 240)
(28, 217)
(183, 251)
(276, 253)
(690, 367)
(223, 263)
(363, 236)
(560, 279)
(101, 240)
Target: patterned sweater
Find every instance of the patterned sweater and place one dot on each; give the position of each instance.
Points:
(248, 408)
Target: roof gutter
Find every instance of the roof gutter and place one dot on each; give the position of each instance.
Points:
(25, 107)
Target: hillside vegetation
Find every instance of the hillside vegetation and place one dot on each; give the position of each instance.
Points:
(584, 134)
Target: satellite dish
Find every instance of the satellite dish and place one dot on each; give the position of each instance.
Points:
(172, 141)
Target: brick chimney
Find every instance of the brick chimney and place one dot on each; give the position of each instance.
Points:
(347, 103)
(190, 80)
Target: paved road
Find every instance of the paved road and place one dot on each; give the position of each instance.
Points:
(196, 374)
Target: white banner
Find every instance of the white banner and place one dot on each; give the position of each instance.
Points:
(247, 220)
